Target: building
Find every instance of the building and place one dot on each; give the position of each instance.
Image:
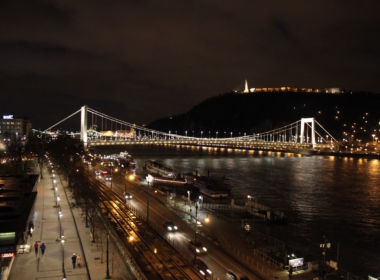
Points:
(10, 126)
(17, 199)
(293, 89)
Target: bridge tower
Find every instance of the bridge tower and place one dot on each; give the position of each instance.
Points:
(83, 124)
(308, 120)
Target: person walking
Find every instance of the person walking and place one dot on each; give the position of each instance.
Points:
(43, 248)
(290, 271)
(36, 248)
(79, 261)
(74, 259)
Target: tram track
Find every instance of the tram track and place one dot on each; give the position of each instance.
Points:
(161, 256)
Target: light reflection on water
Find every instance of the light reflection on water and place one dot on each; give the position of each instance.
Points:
(322, 196)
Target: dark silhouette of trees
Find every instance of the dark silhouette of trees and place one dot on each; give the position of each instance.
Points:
(36, 146)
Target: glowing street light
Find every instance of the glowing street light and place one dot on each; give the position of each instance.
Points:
(148, 179)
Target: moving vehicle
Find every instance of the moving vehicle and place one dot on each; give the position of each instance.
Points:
(127, 195)
(203, 268)
(168, 225)
(232, 276)
(198, 247)
(108, 178)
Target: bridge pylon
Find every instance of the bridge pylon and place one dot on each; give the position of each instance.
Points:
(307, 121)
(83, 124)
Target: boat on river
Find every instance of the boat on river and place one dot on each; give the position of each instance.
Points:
(125, 159)
(213, 186)
(163, 175)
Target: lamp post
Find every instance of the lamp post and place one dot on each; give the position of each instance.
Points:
(111, 178)
(224, 134)
(216, 134)
(231, 134)
(186, 133)
(193, 133)
(63, 257)
(125, 193)
(195, 238)
(201, 134)
(324, 245)
(196, 225)
(108, 235)
(149, 179)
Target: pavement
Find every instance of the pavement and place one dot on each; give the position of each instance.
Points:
(78, 240)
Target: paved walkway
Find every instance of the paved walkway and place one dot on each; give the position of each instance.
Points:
(47, 229)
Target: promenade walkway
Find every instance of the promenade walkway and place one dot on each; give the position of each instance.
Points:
(47, 229)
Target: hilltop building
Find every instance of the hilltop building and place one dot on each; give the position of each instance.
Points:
(287, 89)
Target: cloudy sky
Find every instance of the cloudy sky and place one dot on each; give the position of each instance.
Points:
(142, 60)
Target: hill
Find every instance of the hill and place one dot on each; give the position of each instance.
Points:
(354, 113)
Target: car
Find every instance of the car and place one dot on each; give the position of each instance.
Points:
(127, 195)
(97, 173)
(104, 172)
(203, 268)
(198, 246)
(108, 178)
(232, 276)
(168, 225)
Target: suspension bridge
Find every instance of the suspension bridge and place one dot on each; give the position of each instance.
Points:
(98, 129)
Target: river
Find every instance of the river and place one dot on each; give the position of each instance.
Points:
(322, 196)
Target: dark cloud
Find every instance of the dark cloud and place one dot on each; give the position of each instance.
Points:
(142, 60)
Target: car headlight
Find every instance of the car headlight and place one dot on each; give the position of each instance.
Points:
(175, 228)
(197, 250)
(169, 228)
(130, 196)
(209, 271)
(204, 249)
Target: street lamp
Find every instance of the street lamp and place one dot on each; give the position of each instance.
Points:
(111, 178)
(149, 179)
(231, 134)
(108, 235)
(324, 245)
(63, 257)
(201, 134)
(224, 134)
(196, 224)
(186, 133)
(216, 134)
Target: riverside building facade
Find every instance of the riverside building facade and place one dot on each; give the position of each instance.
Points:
(11, 126)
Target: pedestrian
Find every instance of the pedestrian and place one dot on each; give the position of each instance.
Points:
(43, 248)
(36, 248)
(74, 259)
(290, 270)
(79, 261)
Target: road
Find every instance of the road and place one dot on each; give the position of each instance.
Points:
(216, 259)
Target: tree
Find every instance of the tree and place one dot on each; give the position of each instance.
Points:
(37, 146)
(15, 150)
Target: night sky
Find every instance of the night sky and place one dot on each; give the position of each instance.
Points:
(144, 60)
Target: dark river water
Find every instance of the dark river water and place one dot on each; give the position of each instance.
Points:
(322, 196)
